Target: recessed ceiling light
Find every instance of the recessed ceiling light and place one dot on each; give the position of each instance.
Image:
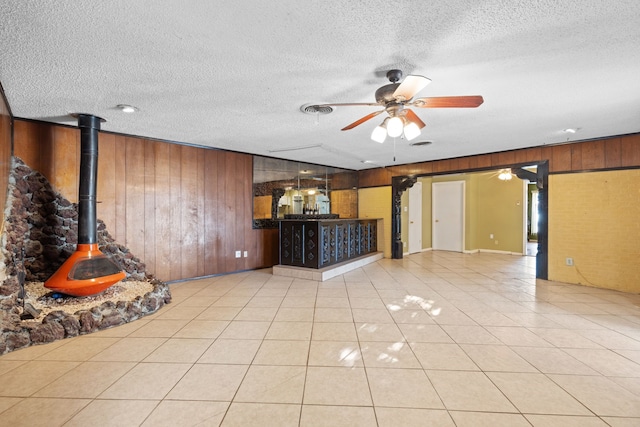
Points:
(127, 108)
(571, 130)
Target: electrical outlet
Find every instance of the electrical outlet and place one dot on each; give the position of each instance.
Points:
(568, 261)
(238, 254)
(496, 242)
(246, 254)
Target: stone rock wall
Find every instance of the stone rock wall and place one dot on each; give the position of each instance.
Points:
(40, 233)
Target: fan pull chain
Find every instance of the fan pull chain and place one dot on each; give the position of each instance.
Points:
(394, 149)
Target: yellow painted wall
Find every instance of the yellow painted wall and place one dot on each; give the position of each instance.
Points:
(594, 218)
(376, 203)
(499, 211)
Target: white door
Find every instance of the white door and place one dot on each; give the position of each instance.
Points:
(448, 216)
(415, 218)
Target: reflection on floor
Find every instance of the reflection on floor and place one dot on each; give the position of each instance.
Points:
(532, 248)
(437, 338)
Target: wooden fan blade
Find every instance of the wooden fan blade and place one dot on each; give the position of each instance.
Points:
(362, 120)
(413, 117)
(409, 87)
(449, 102)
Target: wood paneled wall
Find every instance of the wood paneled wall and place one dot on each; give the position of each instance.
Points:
(183, 210)
(608, 153)
(5, 149)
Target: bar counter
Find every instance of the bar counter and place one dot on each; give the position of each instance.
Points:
(319, 243)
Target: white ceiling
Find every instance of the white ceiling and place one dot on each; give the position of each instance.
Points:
(234, 75)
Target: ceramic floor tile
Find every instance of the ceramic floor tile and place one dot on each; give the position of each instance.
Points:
(363, 315)
(289, 331)
(469, 391)
(182, 350)
(417, 333)
(113, 413)
(261, 414)
(334, 332)
(266, 301)
(202, 329)
(606, 362)
(565, 421)
(42, 412)
(333, 315)
(601, 395)
(335, 353)
(497, 358)
(146, 381)
(402, 388)
(30, 377)
(332, 302)
(258, 314)
(564, 338)
(159, 328)
(87, 380)
(536, 394)
(443, 356)
(235, 351)
(79, 349)
(370, 303)
(219, 313)
(298, 302)
(415, 316)
(294, 314)
(395, 417)
(336, 386)
(246, 330)
(337, 416)
(272, 384)
(470, 334)
(209, 382)
(171, 413)
(9, 365)
(481, 419)
(388, 355)
(379, 332)
(129, 350)
(518, 336)
(553, 361)
(282, 352)
(180, 312)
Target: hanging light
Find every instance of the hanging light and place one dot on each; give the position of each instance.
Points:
(505, 175)
(411, 130)
(395, 127)
(379, 134)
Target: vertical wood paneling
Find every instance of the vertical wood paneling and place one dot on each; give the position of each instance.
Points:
(189, 211)
(630, 146)
(593, 155)
(150, 203)
(5, 148)
(119, 233)
(175, 219)
(211, 175)
(612, 153)
(134, 195)
(66, 161)
(106, 188)
(561, 158)
(223, 243)
(200, 200)
(163, 226)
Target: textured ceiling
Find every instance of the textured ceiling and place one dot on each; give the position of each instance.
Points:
(234, 75)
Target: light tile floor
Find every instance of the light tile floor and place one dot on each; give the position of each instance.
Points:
(435, 339)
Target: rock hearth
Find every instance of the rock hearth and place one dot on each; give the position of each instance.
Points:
(40, 232)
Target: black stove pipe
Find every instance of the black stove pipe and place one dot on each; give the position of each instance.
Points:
(87, 217)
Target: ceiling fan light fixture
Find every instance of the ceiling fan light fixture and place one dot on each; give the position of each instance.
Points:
(395, 127)
(505, 175)
(379, 134)
(411, 131)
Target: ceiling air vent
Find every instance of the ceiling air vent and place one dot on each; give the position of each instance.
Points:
(420, 143)
(316, 109)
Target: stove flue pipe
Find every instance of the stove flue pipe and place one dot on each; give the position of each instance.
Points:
(87, 217)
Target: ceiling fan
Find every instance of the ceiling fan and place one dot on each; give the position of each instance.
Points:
(395, 97)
